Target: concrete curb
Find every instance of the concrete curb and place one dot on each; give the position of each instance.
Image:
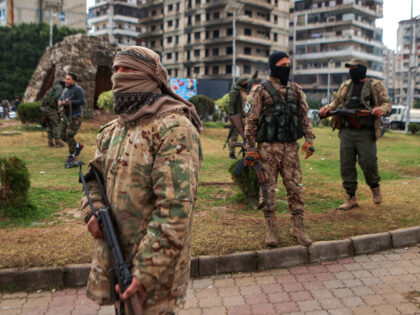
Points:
(77, 275)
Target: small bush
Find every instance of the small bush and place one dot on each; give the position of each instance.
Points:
(216, 116)
(413, 128)
(106, 101)
(247, 181)
(314, 103)
(325, 122)
(223, 103)
(205, 106)
(30, 112)
(15, 183)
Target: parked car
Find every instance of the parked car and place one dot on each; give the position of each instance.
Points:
(12, 115)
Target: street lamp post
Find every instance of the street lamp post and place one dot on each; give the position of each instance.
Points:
(328, 80)
(235, 8)
(411, 67)
(51, 27)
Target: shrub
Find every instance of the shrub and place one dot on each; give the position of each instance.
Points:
(216, 116)
(413, 128)
(325, 122)
(30, 112)
(106, 101)
(223, 103)
(247, 182)
(205, 106)
(314, 103)
(15, 183)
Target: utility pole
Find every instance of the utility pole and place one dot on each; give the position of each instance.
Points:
(51, 29)
(111, 20)
(234, 7)
(329, 80)
(411, 67)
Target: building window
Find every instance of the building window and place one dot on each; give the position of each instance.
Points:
(176, 73)
(207, 34)
(169, 39)
(207, 52)
(197, 18)
(247, 50)
(169, 72)
(188, 71)
(169, 56)
(189, 38)
(215, 69)
(197, 35)
(152, 43)
(228, 69)
(275, 37)
(207, 16)
(196, 52)
(248, 32)
(248, 12)
(216, 34)
(177, 8)
(276, 19)
(153, 28)
(176, 58)
(247, 69)
(189, 20)
(216, 15)
(229, 50)
(170, 7)
(176, 39)
(188, 54)
(229, 31)
(170, 23)
(206, 70)
(196, 70)
(215, 51)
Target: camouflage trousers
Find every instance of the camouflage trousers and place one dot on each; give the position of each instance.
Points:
(283, 158)
(100, 287)
(69, 129)
(233, 138)
(53, 125)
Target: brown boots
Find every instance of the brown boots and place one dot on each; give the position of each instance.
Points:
(58, 143)
(377, 196)
(272, 237)
(298, 230)
(350, 202)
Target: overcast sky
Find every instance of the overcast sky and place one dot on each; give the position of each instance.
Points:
(394, 11)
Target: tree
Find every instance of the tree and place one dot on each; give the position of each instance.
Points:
(22, 46)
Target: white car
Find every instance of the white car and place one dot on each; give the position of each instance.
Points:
(12, 115)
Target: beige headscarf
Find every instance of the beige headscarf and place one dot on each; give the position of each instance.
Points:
(145, 93)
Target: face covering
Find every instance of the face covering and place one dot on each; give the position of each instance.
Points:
(358, 74)
(281, 73)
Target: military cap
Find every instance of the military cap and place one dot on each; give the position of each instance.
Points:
(241, 81)
(356, 62)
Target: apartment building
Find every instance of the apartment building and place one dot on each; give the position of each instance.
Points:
(196, 36)
(70, 13)
(389, 71)
(327, 34)
(402, 61)
(117, 20)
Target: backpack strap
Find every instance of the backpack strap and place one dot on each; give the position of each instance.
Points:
(272, 91)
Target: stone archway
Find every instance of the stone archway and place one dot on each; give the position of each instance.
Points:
(102, 83)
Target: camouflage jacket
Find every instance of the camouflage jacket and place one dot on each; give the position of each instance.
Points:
(378, 94)
(259, 99)
(50, 100)
(150, 173)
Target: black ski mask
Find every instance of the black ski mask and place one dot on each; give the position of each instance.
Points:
(358, 73)
(280, 72)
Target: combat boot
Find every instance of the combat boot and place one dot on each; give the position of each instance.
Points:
(272, 238)
(50, 142)
(350, 202)
(58, 143)
(298, 230)
(377, 196)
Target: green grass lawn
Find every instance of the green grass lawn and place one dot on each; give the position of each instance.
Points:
(223, 222)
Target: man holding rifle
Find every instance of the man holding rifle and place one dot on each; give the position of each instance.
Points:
(149, 159)
(276, 118)
(368, 100)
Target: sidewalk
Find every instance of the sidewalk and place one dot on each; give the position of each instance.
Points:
(383, 283)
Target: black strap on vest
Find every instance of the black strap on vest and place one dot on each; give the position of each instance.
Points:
(272, 91)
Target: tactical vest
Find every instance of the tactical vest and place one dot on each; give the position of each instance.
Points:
(281, 121)
(365, 102)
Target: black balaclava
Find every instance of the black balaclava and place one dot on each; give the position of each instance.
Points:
(358, 73)
(280, 72)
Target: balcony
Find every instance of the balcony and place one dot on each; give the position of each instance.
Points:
(347, 53)
(126, 32)
(259, 4)
(151, 3)
(340, 39)
(324, 25)
(128, 19)
(98, 19)
(342, 70)
(352, 7)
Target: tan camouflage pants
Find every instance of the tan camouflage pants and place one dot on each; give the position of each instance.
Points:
(283, 158)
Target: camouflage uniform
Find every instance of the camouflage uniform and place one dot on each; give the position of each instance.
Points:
(6, 108)
(277, 157)
(360, 143)
(49, 108)
(151, 178)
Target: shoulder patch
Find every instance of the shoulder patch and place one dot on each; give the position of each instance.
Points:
(247, 107)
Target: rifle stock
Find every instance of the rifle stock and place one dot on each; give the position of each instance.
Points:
(106, 224)
(351, 114)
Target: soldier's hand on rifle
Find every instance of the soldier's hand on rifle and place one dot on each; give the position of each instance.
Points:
(251, 157)
(378, 112)
(308, 148)
(135, 287)
(94, 228)
(324, 110)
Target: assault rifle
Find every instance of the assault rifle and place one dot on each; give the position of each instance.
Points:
(257, 167)
(103, 215)
(231, 129)
(351, 114)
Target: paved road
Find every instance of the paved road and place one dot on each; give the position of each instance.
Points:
(383, 283)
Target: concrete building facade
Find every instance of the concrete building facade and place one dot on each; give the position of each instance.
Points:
(117, 20)
(327, 34)
(389, 71)
(196, 36)
(70, 13)
(402, 61)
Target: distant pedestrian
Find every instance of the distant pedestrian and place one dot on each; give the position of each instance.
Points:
(6, 108)
(72, 99)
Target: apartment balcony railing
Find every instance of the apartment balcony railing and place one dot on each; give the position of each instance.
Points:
(344, 53)
(124, 18)
(98, 19)
(324, 71)
(357, 8)
(340, 39)
(333, 24)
